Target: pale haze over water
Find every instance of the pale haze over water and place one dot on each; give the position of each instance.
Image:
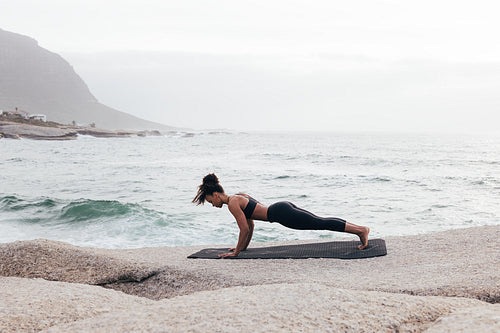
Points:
(287, 65)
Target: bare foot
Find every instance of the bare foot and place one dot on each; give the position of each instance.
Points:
(363, 237)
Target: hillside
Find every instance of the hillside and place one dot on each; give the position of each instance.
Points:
(36, 80)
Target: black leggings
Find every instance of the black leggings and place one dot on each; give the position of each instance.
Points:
(291, 216)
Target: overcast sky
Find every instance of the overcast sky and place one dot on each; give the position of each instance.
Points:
(297, 65)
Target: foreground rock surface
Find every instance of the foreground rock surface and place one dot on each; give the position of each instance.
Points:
(33, 305)
(58, 261)
(483, 318)
(180, 294)
(462, 262)
(284, 307)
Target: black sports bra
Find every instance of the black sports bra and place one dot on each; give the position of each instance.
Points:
(248, 211)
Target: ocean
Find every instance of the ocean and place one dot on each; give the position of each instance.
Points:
(137, 192)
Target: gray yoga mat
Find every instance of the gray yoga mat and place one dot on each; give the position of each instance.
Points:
(337, 249)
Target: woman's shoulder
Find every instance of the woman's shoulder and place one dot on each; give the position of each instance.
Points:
(237, 197)
(240, 198)
(247, 197)
(237, 201)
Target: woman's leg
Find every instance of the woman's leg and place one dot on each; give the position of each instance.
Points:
(291, 216)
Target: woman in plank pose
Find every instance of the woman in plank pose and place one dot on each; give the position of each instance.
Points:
(245, 209)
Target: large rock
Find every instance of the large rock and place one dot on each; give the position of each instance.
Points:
(369, 295)
(59, 261)
(33, 305)
(30, 305)
(482, 318)
(15, 131)
(303, 307)
(461, 262)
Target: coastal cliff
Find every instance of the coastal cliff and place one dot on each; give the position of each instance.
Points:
(38, 81)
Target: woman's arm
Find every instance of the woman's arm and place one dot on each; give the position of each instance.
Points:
(251, 226)
(246, 229)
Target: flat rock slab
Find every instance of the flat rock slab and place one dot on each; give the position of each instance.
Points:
(58, 261)
(303, 307)
(31, 305)
(36, 132)
(337, 249)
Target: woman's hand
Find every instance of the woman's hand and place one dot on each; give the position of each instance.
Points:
(232, 249)
(231, 254)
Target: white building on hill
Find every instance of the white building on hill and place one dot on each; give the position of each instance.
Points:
(22, 113)
(41, 117)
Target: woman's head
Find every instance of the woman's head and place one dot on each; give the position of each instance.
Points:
(210, 187)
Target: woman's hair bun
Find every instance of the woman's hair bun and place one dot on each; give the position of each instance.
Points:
(210, 179)
(208, 187)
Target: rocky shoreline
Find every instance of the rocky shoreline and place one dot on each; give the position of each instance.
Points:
(14, 130)
(441, 282)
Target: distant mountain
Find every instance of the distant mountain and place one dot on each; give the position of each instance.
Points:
(38, 81)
